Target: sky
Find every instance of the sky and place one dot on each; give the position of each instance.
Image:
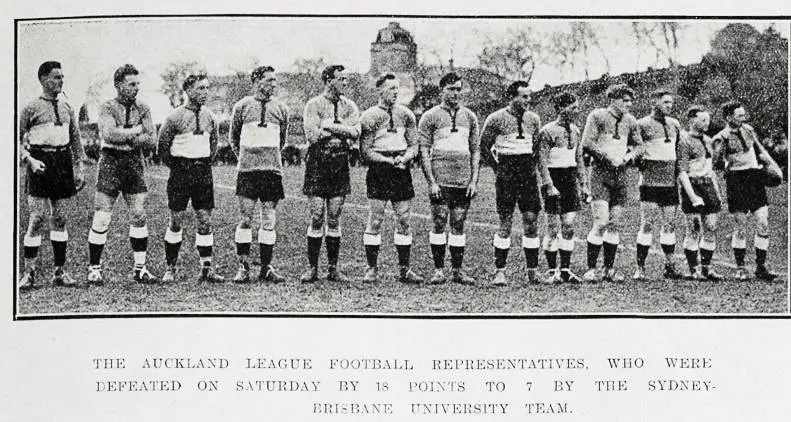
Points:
(90, 50)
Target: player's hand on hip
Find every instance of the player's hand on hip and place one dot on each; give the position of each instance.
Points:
(36, 166)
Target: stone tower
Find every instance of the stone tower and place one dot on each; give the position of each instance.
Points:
(393, 51)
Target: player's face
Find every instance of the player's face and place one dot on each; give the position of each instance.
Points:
(664, 104)
(451, 94)
(701, 121)
(339, 83)
(266, 84)
(53, 82)
(571, 111)
(199, 92)
(129, 87)
(522, 98)
(737, 117)
(623, 104)
(388, 92)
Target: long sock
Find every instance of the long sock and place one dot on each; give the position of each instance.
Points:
(266, 244)
(172, 246)
(551, 251)
(403, 244)
(761, 245)
(438, 242)
(594, 247)
(456, 244)
(138, 237)
(739, 246)
(530, 246)
(691, 251)
(501, 248)
(243, 238)
(31, 245)
(610, 246)
(314, 246)
(644, 241)
(566, 247)
(667, 241)
(59, 239)
(97, 236)
(372, 242)
(333, 240)
(706, 251)
(204, 244)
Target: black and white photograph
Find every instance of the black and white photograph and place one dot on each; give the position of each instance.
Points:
(407, 166)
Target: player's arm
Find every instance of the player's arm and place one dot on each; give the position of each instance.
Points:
(114, 134)
(311, 121)
(214, 136)
(635, 143)
(475, 149)
(412, 139)
(718, 151)
(348, 128)
(543, 142)
(149, 132)
(75, 141)
(590, 139)
(166, 134)
(425, 139)
(682, 165)
(24, 144)
(284, 127)
(367, 136)
(235, 128)
(488, 136)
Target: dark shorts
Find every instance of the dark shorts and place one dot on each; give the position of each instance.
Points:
(387, 183)
(703, 187)
(57, 180)
(190, 180)
(517, 184)
(452, 197)
(746, 190)
(565, 181)
(121, 172)
(260, 185)
(609, 185)
(327, 172)
(664, 196)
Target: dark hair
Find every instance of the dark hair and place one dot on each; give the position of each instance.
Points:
(47, 67)
(449, 79)
(694, 110)
(328, 73)
(192, 80)
(122, 71)
(384, 78)
(729, 107)
(563, 100)
(659, 93)
(513, 89)
(618, 91)
(260, 71)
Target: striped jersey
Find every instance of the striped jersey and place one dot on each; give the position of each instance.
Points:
(189, 132)
(388, 129)
(660, 135)
(258, 132)
(508, 134)
(321, 109)
(450, 136)
(608, 132)
(49, 123)
(562, 143)
(115, 114)
(695, 155)
(736, 147)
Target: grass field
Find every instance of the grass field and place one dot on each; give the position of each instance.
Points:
(120, 294)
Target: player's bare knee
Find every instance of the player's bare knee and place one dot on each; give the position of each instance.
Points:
(567, 231)
(403, 226)
(58, 222)
(36, 223)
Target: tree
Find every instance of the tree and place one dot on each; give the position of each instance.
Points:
(662, 37)
(173, 77)
(312, 66)
(516, 55)
(574, 47)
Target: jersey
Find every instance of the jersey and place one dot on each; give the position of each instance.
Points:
(695, 153)
(450, 136)
(321, 109)
(388, 130)
(115, 114)
(189, 132)
(660, 137)
(505, 133)
(258, 132)
(46, 122)
(608, 133)
(737, 147)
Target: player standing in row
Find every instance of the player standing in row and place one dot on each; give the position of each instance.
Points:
(125, 127)
(559, 147)
(510, 134)
(389, 144)
(259, 127)
(607, 135)
(187, 143)
(331, 122)
(700, 194)
(450, 156)
(50, 147)
(658, 190)
(737, 144)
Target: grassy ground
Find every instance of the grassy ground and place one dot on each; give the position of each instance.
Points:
(120, 294)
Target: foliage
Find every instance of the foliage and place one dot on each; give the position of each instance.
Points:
(174, 76)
